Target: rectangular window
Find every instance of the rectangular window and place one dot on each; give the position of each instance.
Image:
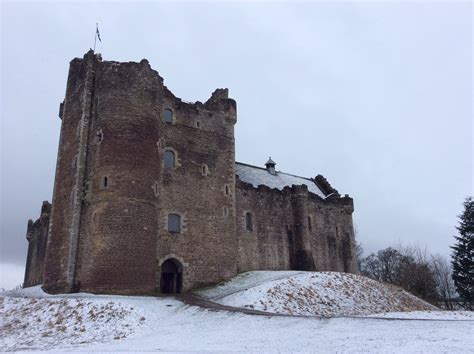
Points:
(168, 116)
(248, 222)
(174, 223)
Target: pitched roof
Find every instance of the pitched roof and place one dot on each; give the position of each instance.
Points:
(256, 175)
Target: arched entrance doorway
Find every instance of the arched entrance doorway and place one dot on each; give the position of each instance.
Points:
(171, 277)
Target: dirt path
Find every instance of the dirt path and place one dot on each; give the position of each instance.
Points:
(195, 300)
(248, 285)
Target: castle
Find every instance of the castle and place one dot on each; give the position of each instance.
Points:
(148, 196)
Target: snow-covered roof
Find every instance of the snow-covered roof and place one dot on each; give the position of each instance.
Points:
(256, 175)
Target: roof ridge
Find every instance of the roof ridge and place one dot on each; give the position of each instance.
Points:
(285, 173)
(246, 164)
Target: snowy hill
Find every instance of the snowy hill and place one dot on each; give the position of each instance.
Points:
(33, 320)
(326, 294)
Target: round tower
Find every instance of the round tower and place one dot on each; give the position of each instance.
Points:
(117, 244)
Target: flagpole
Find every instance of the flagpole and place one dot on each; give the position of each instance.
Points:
(95, 34)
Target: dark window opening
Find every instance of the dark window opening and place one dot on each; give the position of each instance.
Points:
(169, 159)
(310, 226)
(174, 223)
(100, 135)
(105, 182)
(198, 124)
(168, 116)
(248, 221)
(226, 190)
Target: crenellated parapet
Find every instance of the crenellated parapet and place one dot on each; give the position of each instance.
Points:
(324, 185)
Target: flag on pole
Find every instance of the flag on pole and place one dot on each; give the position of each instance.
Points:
(97, 32)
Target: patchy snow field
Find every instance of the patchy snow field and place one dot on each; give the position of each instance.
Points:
(32, 320)
(326, 294)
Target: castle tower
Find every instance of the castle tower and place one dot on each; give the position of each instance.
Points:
(103, 223)
(302, 258)
(144, 196)
(198, 192)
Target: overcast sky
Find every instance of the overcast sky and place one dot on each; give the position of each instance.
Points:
(377, 97)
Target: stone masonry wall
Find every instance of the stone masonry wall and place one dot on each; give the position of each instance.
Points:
(68, 186)
(200, 188)
(332, 235)
(112, 194)
(118, 223)
(37, 236)
(266, 246)
(325, 227)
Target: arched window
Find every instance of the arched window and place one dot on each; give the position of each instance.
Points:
(248, 221)
(168, 116)
(174, 223)
(169, 159)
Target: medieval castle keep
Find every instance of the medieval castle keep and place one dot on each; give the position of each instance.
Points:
(148, 196)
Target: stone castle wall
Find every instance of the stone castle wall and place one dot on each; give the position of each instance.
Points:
(112, 195)
(103, 228)
(37, 236)
(200, 189)
(117, 238)
(324, 228)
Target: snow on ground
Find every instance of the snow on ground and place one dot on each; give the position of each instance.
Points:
(244, 281)
(326, 294)
(32, 319)
(166, 324)
(430, 315)
(191, 329)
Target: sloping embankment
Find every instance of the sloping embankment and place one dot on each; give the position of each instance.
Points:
(325, 294)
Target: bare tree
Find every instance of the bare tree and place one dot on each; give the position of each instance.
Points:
(406, 266)
(443, 276)
(416, 271)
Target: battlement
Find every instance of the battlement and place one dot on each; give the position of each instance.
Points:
(119, 73)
